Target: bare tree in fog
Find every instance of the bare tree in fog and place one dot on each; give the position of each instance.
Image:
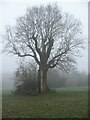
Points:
(52, 38)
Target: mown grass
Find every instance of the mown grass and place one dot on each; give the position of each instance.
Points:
(61, 104)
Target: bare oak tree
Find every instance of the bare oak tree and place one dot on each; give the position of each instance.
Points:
(49, 36)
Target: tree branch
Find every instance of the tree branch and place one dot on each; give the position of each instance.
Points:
(55, 57)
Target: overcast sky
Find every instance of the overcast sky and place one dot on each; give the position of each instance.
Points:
(11, 9)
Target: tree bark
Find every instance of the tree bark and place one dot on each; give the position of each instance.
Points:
(42, 80)
(39, 91)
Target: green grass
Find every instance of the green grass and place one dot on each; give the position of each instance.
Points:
(72, 89)
(61, 104)
(0, 103)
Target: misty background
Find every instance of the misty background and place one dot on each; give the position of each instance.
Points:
(55, 79)
(10, 11)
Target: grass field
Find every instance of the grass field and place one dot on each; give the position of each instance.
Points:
(62, 103)
(0, 104)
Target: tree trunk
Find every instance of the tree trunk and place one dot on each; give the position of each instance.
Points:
(42, 83)
(39, 81)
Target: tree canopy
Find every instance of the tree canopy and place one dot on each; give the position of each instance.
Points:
(48, 35)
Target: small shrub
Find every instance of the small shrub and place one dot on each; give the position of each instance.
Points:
(25, 80)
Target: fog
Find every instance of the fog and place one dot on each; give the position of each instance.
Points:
(9, 62)
(17, 9)
(55, 79)
(7, 81)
